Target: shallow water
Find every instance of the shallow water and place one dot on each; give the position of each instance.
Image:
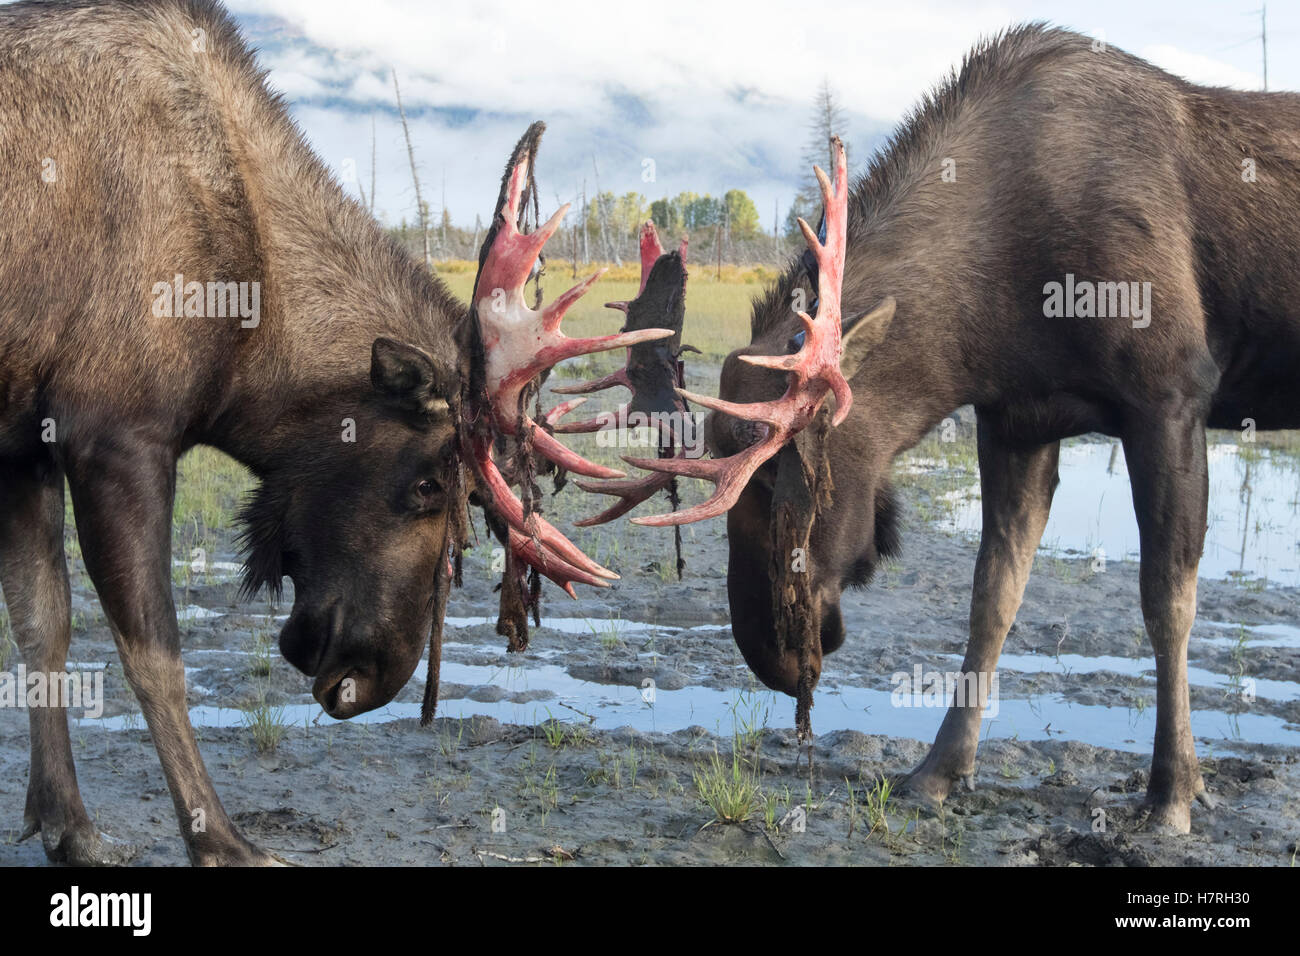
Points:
(1258, 635)
(1254, 511)
(529, 692)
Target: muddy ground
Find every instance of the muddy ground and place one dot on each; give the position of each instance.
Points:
(566, 753)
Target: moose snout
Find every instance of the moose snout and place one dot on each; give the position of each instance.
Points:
(303, 642)
(346, 694)
(358, 662)
(357, 685)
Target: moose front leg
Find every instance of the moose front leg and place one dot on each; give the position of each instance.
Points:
(34, 574)
(1168, 471)
(122, 498)
(1017, 487)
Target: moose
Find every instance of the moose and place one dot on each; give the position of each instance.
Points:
(1047, 158)
(128, 168)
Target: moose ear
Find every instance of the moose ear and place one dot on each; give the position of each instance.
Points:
(864, 335)
(408, 376)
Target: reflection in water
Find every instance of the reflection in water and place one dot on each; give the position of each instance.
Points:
(529, 692)
(1253, 525)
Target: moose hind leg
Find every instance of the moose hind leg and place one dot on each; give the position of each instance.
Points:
(1017, 487)
(1167, 468)
(34, 575)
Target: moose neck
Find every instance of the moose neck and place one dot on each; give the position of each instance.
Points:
(332, 282)
(916, 376)
(915, 234)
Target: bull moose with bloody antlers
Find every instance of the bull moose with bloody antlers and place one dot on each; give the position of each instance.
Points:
(364, 397)
(1045, 161)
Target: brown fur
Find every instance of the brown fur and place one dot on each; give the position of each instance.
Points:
(173, 160)
(1068, 160)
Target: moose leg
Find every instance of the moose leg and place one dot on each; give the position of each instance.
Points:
(1016, 487)
(34, 574)
(123, 504)
(1167, 468)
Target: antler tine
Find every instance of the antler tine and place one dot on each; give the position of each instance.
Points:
(562, 409)
(813, 373)
(558, 570)
(511, 510)
(730, 475)
(522, 342)
(596, 385)
(651, 250)
(632, 491)
(586, 427)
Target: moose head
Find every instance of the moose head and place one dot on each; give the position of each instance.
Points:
(780, 436)
(427, 430)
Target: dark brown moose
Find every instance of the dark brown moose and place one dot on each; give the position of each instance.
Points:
(177, 268)
(1047, 163)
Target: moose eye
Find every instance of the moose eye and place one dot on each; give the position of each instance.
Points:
(796, 342)
(426, 488)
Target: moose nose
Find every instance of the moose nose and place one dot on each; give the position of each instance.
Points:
(303, 645)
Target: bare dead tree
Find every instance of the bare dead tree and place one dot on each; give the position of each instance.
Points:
(372, 164)
(828, 120)
(586, 248)
(611, 254)
(415, 178)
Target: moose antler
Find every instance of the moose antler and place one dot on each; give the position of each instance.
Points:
(519, 343)
(532, 538)
(814, 373)
(651, 372)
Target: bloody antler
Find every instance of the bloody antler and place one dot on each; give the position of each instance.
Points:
(814, 373)
(532, 538)
(651, 372)
(519, 343)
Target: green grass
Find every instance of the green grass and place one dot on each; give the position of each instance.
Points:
(775, 807)
(210, 487)
(717, 311)
(558, 734)
(876, 804)
(262, 657)
(267, 724)
(749, 715)
(731, 790)
(934, 474)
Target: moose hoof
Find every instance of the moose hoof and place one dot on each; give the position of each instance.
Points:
(242, 854)
(1168, 817)
(81, 845)
(933, 785)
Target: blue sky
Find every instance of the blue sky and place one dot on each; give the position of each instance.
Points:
(716, 94)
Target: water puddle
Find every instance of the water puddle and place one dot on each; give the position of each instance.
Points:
(192, 612)
(1254, 511)
(1278, 690)
(1256, 635)
(531, 693)
(211, 572)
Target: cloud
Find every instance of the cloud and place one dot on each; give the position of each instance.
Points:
(560, 56)
(1199, 68)
(716, 96)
